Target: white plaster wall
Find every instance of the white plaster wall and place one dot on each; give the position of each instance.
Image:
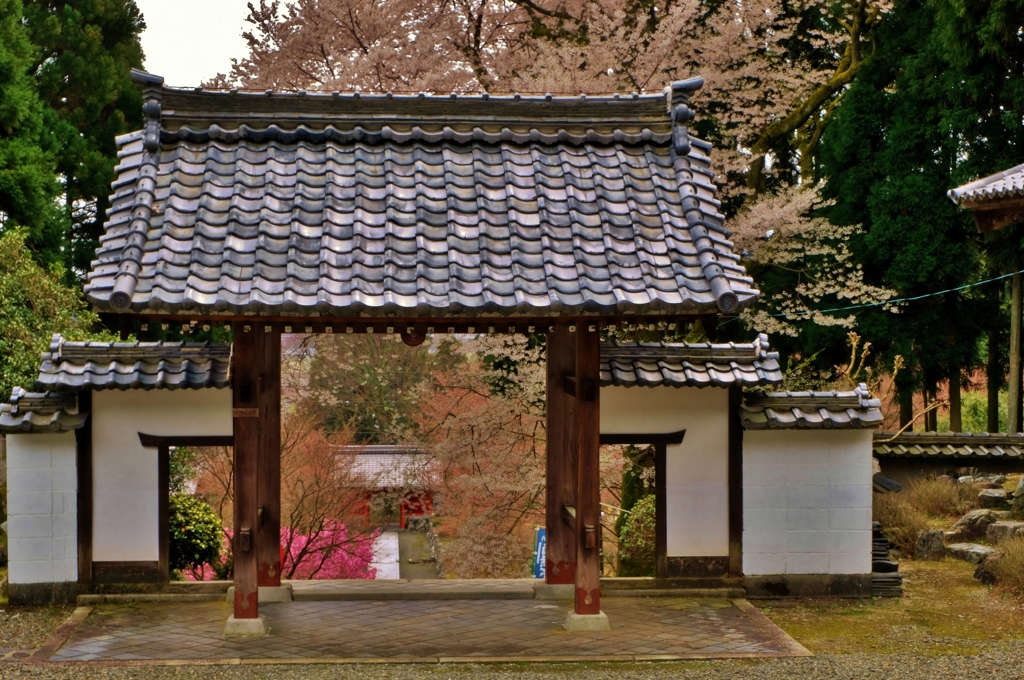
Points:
(696, 471)
(42, 508)
(806, 502)
(125, 493)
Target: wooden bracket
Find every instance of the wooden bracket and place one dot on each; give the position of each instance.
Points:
(245, 540)
(585, 389)
(590, 533)
(569, 384)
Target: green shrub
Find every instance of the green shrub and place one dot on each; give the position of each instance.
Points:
(941, 497)
(901, 521)
(1009, 567)
(636, 540)
(196, 534)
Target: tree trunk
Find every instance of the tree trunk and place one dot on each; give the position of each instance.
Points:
(1014, 407)
(930, 418)
(994, 378)
(906, 409)
(955, 421)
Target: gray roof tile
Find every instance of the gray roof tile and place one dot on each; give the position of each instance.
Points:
(40, 412)
(76, 366)
(811, 410)
(973, 445)
(342, 206)
(1002, 185)
(653, 364)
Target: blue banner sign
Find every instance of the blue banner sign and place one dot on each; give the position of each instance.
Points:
(540, 553)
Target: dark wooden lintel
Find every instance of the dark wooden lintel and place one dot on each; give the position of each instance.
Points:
(156, 441)
(644, 438)
(83, 446)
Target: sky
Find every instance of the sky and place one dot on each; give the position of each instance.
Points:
(189, 41)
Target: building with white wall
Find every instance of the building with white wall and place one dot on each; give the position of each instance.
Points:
(770, 490)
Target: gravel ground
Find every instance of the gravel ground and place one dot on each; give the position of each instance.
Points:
(27, 628)
(996, 660)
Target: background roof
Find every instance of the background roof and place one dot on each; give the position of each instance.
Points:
(347, 205)
(40, 412)
(949, 445)
(1002, 185)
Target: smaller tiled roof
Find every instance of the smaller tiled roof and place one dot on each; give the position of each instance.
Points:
(75, 366)
(973, 445)
(702, 364)
(40, 412)
(385, 466)
(1002, 185)
(811, 410)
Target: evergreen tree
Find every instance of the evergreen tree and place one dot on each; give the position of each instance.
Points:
(86, 49)
(28, 183)
(939, 103)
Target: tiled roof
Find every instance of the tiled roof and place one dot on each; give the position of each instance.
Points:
(1002, 185)
(811, 410)
(74, 366)
(35, 412)
(949, 445)
(382, 467)
(426, 206)
(702, 364)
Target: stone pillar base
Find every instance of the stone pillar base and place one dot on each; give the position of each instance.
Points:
(267, 594)
(554, 591)
(586, 623)
(257, 626)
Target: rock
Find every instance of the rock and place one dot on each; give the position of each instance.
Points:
(1002, 514)
(966, 480)
(998, 532)
(969, 552)
(993, 498)
(1019, 492)
(988, 485)
(985, 573)
(930, 545)
(944, 478)
(884, 566)
(971, 526)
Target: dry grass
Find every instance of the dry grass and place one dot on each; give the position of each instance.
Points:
(944, 611)
(901, 520)
(1009, 568)
(941, 497)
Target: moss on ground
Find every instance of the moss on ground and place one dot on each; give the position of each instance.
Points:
(944, 611)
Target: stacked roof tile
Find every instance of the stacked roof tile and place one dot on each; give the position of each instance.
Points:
(972, 445)
(811, 410)
(1000, 186)
(40, 412)
(76, 366)
(704, 364)
(384, 466)
(348, 205)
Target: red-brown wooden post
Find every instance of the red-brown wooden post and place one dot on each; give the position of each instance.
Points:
(588, 476)
(246, 357)
(560, 563)
(268, 540)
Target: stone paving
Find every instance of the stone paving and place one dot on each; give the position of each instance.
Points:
(642, 628)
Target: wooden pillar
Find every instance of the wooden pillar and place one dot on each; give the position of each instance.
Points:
(560, 562)
(268, 540)
(588, 466)
(1013, 423)
(83, 442)
(246, 356)
(735, 482)
(661, 509)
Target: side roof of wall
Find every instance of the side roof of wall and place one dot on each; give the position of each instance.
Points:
(811, 410)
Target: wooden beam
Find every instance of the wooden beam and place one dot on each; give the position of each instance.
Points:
(735, 476)
(560, 561)
(588, 476)
(651, 438)
(83, 446)
(268, 543)
(1013, 421)
(246, 357)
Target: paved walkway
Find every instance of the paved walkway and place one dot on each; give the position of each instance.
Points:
(445, 630)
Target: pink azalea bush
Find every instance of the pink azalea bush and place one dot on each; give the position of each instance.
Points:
(327, 554)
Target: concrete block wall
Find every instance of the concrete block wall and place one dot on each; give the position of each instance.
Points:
(806, 502)
(42, 511)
